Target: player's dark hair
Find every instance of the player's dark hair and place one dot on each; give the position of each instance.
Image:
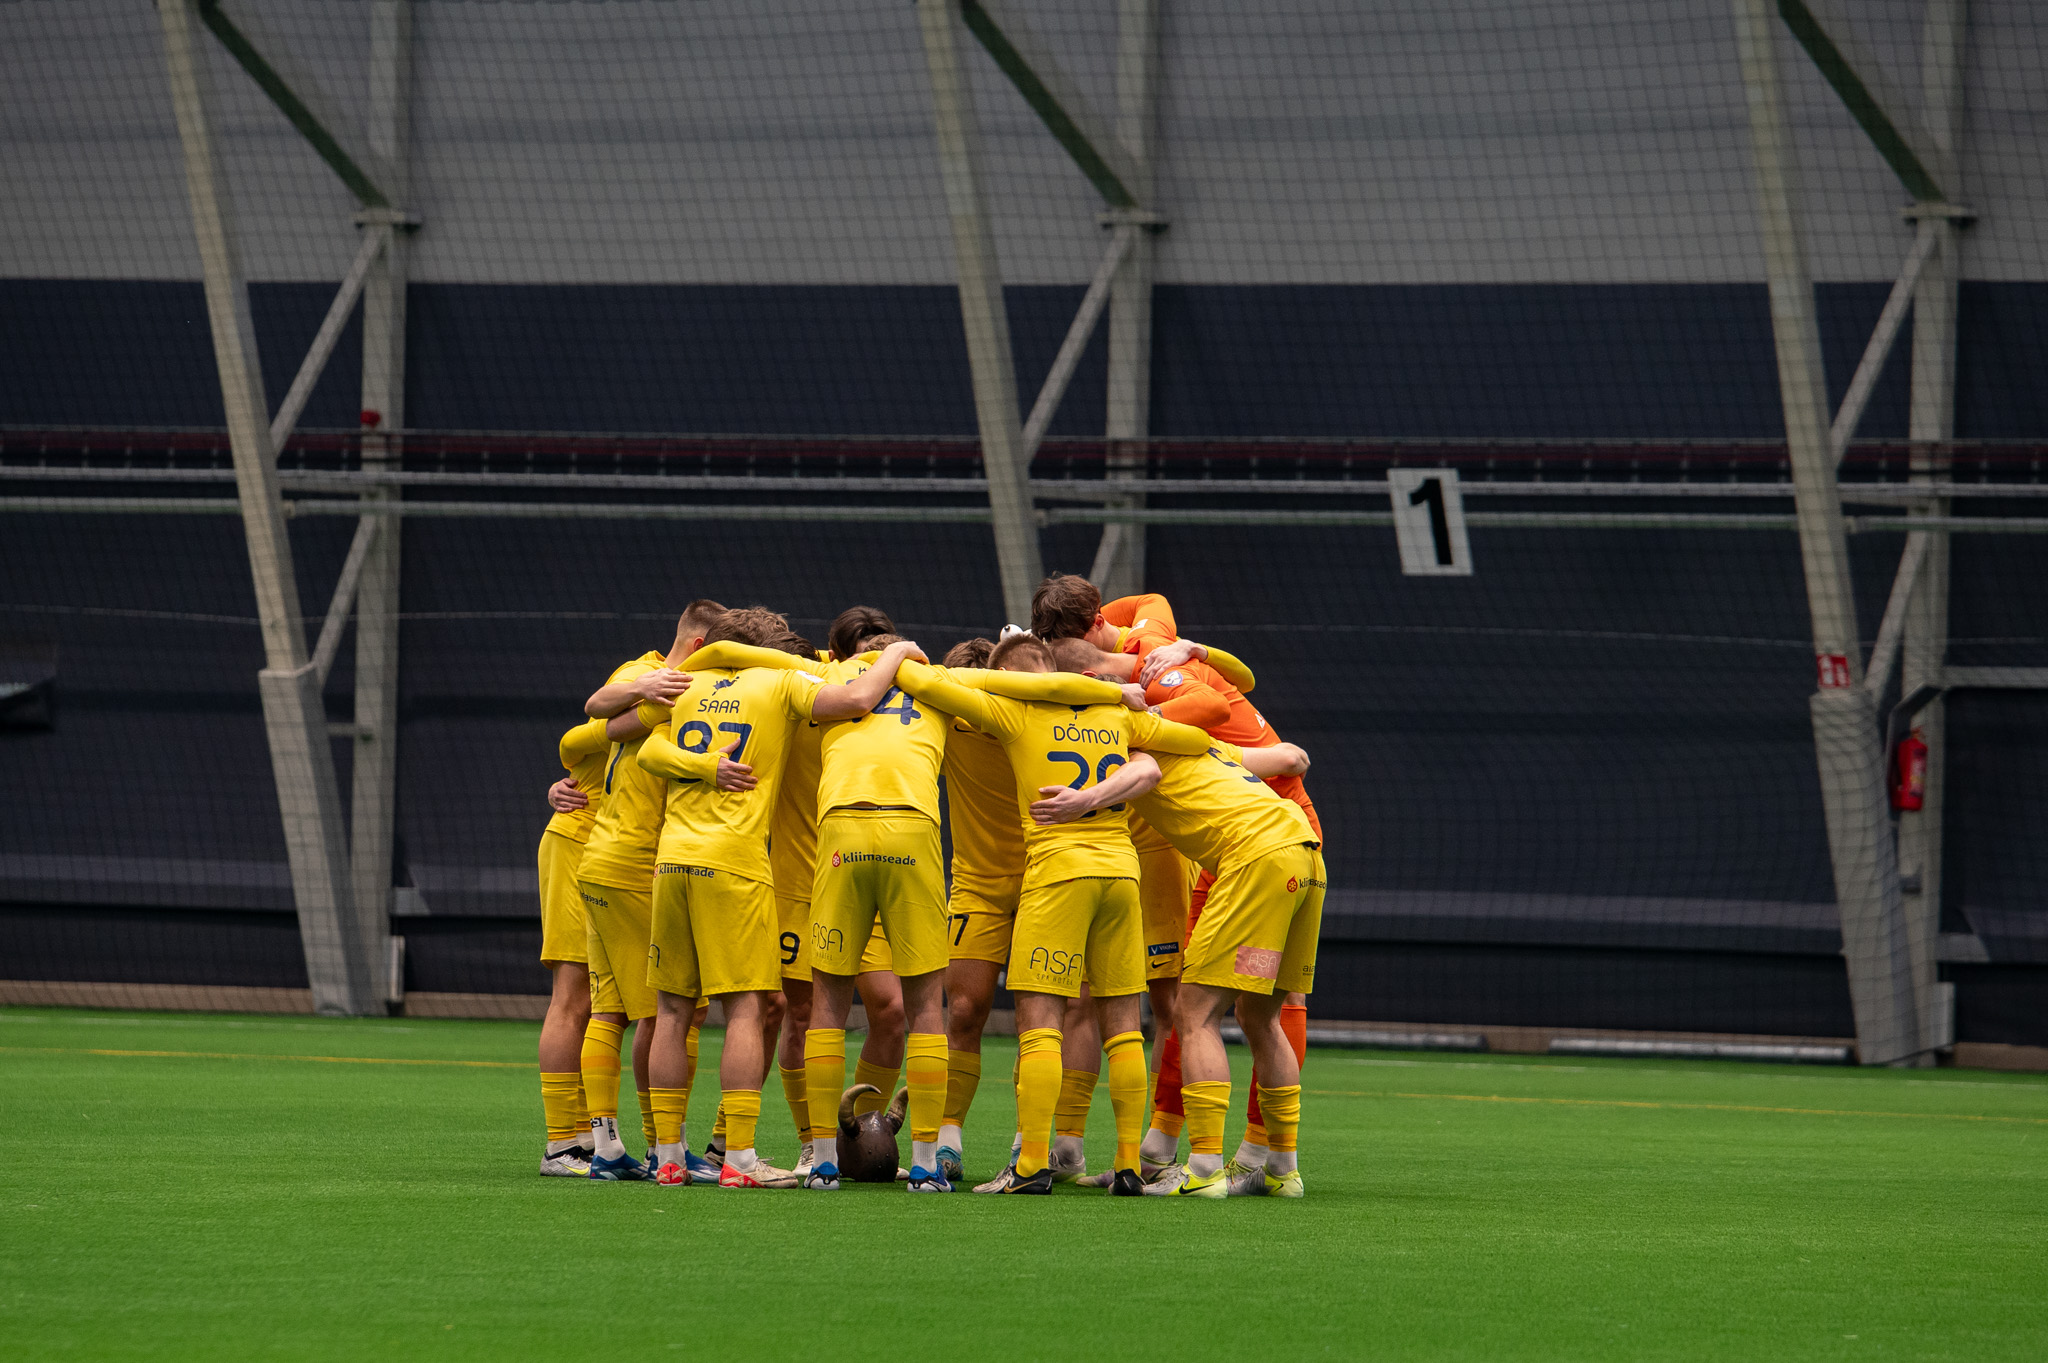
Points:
(970, 653)
(698, 617)
(875, 641)
(1074, 655)
(1064, 607)
(1028, 645)
(800, 646)
(756, 625)
(854, 624)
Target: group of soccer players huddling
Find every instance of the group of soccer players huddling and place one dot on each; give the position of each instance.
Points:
(753, 820)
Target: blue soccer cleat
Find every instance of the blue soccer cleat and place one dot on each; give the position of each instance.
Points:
(923, 1180)
(624, 1169)
(703, 1170)
(823, 1177)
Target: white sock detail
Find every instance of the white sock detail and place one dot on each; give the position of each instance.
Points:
(742, 1160)
(1201, 1166)
(1158, 1147)
(1251, 1156)
(951, 1137)
(574, 1143)
(1281, 1163)
(669, 1154)
(925, 1155)
(606, 1132)
(825, 1150)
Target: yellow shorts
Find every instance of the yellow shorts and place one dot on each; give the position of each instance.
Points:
(564, 932)
(1258, 931)
(714, 933)
(875, 865)
(1163, 909)
(794, 916)
(980, 918)
(1083, 929)
(617, 947)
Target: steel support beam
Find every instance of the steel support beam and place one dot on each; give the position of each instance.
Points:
(1119, 568)
(302, 761)
(1930, 423)
(374, 783)
(982, 312)
(1879, 349)
(1076, 340)
(297, 96)
(324, 340)
(1056, 100)
(1844, 720)
(1859, 79)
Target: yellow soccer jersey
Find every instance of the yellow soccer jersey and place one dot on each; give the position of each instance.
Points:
(793, 831)
(981, 802)
(583, 750)
(628, 825)
(889, 757)
(759, 707)
(1218, 814)
(1050, 744)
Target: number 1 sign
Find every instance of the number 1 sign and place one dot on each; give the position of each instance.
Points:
(1429, 522)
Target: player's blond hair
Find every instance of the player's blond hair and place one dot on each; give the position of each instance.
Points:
(1028, 646)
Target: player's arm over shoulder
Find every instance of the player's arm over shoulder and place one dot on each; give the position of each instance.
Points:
(1280, 759)
(1163, 735)
(585, 740)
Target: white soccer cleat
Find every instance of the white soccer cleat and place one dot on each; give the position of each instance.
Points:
(1167, 1181)
(762, 1175)
(571, 1163)
(1245, 1180)
(804, 1160)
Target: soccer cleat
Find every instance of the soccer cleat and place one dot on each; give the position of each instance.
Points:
(571, 1163)
(824, 1178)
(1067, 1162)
(673, 1175)
(704, 1168)
(1010, 1181)
(1149, 1169)
(803, 1163)
(1102, 1180)
(1245, 1180)
(1126, 1183)
(760, 1176)
(624, 1169)
(1284, 1185)
(949, 1165)
(1167, 1181)
(1203, 1185)
(923, 1180)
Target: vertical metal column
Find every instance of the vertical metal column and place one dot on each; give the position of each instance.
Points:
(294, 716)
(1844, 728)
(374, 785)
(1931, 421)
(1121, 558)
(982, 312)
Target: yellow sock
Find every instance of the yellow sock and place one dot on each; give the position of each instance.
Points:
(824, 1075)
(1077, 1095)
(884, 1081)
(1168, 1122)
(963, 1077)
(561, 1099)
(718, 1126)
(647, 1116)
(671, 1110)
(1126, 1053)
(601, 1067)
(924, 1066)
(794, 1088)
(742, 1115)
(1038, 1091)
(1281, 1108)
(690, 1050)
(1207, 1102)
(1255, 1132)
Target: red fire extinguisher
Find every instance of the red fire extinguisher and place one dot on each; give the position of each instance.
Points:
(1909, 789)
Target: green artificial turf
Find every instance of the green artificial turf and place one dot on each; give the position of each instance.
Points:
(200, 1186)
